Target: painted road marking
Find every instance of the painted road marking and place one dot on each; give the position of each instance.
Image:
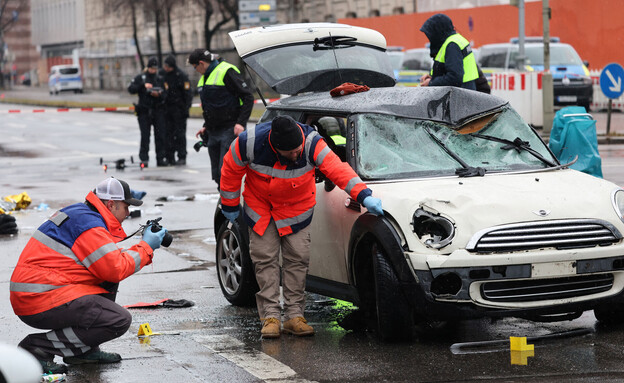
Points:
(253, 361)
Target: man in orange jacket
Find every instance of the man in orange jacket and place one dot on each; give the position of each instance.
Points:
(278, 159)
(66, 278)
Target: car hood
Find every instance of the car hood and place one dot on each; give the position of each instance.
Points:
(313, 57)
(476, 203)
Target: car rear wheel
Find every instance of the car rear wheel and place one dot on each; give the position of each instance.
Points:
(234, 268)
(395, 319)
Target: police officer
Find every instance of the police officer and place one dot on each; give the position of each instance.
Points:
(150, 111)
(179, 100)
(226, 102)
(454, 63)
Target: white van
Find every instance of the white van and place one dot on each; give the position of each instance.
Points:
(65, 77)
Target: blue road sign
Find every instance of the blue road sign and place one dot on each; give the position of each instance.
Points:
(611, 80)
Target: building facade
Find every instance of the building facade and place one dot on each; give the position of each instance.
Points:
(110, 55)
(58, 30)
(19, 58)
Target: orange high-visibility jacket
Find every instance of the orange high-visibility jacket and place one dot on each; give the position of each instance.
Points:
(277, 189)
(70, 255)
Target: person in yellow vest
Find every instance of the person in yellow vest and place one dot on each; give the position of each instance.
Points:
(226, 102)
(454, 63)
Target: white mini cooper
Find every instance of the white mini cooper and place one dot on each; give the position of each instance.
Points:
(480, 217)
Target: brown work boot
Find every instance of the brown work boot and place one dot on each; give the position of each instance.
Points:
(270, 328)
(298, 326)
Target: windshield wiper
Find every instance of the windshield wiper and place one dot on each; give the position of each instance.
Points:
(517, 144)
(466, 170)
(333, 42)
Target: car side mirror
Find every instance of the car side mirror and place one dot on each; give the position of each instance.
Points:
(586, 63)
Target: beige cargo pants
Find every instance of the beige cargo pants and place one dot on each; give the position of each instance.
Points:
(264, 251)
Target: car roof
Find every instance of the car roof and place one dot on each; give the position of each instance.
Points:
(512, 45)
(450, 105)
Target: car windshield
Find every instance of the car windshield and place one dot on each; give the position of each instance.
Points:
(390, 147)
(559, 55)
(396, 59)
(417, 61)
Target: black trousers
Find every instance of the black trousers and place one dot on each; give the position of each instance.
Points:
(148, 118)
(176, 133)
(77, 327)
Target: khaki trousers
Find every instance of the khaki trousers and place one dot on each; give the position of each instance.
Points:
(264, 251)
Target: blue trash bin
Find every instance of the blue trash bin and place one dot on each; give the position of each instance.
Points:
(574, 134)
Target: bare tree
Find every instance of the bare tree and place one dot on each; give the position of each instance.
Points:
(224, 12)
(169, 5)
(9, 13)
(131, 5)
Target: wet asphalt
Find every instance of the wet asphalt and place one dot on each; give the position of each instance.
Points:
(55, 158)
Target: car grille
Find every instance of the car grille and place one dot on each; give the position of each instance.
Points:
(531, 290)
(560, 234)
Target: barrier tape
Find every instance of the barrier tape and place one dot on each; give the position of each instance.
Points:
(106, 109)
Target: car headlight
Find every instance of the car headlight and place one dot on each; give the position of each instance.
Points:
(587, 81)
(617, 198)
(434, 230)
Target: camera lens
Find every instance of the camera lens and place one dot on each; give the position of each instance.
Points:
(167, 240)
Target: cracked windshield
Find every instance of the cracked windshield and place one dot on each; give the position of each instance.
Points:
(392, 147)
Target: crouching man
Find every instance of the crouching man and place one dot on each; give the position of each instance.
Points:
(66, 278)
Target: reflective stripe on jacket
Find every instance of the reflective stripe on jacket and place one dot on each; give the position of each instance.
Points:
(70, 255)
(470, 64)
(212, 90)
(275, 189)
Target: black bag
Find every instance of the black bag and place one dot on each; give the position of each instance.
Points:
(482, 82)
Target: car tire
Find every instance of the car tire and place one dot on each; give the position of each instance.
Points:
(610, 314)
(234, 267)
(395, 320)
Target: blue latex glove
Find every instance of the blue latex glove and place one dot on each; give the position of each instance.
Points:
(154, 239)
(230, 215)
(373, 205)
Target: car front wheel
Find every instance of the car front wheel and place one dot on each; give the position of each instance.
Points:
(610, 314)
(395, 320)
(234, 268)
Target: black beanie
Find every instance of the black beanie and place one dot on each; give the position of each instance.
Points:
(152, 62)
(170, 61)
(285, 133)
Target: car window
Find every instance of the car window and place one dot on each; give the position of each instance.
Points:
(68, 70)
(493, 57)
(390, 147)
(282, 64)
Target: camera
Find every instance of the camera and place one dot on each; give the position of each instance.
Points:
(156, 228)
(198, 145)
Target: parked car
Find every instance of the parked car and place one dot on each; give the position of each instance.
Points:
(410, 65)
(480, 219)
(65, 77)
(572, 84)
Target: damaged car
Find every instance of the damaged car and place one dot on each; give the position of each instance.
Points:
(480, 219)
